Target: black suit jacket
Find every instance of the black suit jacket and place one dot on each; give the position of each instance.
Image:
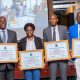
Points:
(12, 38)
(37, 40)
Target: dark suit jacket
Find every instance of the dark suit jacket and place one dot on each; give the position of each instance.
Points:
(11, 39)
(37, 40)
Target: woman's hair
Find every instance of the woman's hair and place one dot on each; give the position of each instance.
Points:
(29, 25)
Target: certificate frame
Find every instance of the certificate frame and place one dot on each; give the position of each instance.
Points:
(23, 52)
(52, 42)
(10, 61)
(72, 53)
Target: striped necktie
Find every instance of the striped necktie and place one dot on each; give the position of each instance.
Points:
(4, 37)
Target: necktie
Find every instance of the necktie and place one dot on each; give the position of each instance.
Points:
(4, 37)
(54, 35)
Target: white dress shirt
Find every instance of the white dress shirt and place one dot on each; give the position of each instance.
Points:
(56, 31)
(30, 45)
(78, 30)
(6, 33)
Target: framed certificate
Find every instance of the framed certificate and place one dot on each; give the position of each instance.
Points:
(75, 48)
(32, 59)
(57, 50)
(8, 53)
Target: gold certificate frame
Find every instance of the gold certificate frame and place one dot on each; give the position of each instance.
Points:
(33, 59)
(8, 53)
(75, 48)
(57, 50)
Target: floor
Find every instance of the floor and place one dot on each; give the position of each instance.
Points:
(70, 78)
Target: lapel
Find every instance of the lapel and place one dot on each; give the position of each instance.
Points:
(50, 33)
(76, 30)
(1, 40)
(59, 30)
(36, 42)
(8, 34)
(24, 43)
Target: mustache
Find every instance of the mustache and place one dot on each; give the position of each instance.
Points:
(1, 25)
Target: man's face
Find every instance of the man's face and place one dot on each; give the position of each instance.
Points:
(2, 23)
(78, 17)
(53, 20)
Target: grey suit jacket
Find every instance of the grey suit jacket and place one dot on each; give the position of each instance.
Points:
(63, 33)
(11, 39)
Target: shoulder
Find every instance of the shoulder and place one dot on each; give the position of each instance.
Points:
(63, 27)
(72, 27)
(38, 38)
(11, 32)
(23, 39)
(46, 29)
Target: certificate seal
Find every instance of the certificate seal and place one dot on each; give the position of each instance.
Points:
(56, 45)
(5, 47)
(30, 54)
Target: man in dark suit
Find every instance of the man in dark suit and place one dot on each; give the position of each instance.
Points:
(56, 32)
(6, 36)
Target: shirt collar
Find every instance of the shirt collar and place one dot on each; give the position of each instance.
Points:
(55, 27)
(3, 30)
(78, 24)
(29, 40)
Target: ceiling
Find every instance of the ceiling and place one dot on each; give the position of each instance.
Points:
(63, 4)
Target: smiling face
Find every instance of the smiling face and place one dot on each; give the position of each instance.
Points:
(53, 20)
(29, 31)
(78, 17)
(2, 22)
